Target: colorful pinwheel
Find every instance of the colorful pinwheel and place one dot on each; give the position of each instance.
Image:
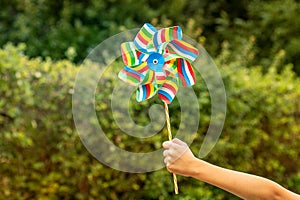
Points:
(157, 61)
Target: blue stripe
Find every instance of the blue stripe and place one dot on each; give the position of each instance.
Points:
(144, 92)
(151, 27)
(139, 48)
(126, 68)
(155, 42)
(141, 57)
(179, 33)
(166, 95)
(184, 73)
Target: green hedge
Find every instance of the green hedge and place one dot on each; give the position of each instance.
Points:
(42, 156)
(71, 28)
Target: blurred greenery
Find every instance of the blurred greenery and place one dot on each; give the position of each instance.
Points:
(254, 43)
(71, 28)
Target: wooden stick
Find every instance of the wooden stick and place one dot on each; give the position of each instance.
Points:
(170, 138)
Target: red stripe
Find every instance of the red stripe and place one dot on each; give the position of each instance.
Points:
(195, 51)
(170, 87)
(124, 58)
(160, 77)
(143, 69)
(148, 91)
(191, 71)
(165, 99)
(175, 32)
(179, 68)
(131, 74)
(162, 34)
(142, 39)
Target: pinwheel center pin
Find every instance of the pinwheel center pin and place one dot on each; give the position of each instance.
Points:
(156, 62)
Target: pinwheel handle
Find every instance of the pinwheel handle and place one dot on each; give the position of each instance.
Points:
(170, 138)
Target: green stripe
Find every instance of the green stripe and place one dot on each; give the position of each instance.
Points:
(146, 78)
(126, 78)
(170, 33)
(132, 56)
(132, 79)
(148, 34)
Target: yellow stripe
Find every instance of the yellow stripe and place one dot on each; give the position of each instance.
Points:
(160, 81)
(144, 36)
(167, 36)
(150, 78)
(171, 67)
(173, 84)
(130, 59)
(141, 66)
(151, 90)
(125, 51)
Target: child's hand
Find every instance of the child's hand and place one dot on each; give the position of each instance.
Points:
(178, 157)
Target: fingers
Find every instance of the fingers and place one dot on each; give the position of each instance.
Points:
(167, 144)
(165, 153)
(177, 156)
(166, 161)
(173, 150)
(166, 157)
(177, 141)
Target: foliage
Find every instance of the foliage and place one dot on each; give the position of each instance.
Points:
(274, 24)
(54, 28)
(42, 156)
(256, 45)
(71, 28)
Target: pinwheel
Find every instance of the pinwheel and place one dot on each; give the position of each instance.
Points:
(158, 61)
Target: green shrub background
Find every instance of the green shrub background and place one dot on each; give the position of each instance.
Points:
(255, 45)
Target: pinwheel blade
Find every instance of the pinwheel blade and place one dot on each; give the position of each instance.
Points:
(160, 77)
(168, 90)
(131, 76)
(171, 67)
(143, 37)
(149, 77)
(129, 54)
(182, 49)
(145, 92)
(186, 72)
(166, 35)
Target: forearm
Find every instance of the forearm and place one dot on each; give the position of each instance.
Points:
(180, 160)
(244, 185)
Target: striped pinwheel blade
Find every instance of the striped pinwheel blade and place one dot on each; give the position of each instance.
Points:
(148, 78)
(185, 72)
(168, 90)
(129, 54)
(131, 76)
(181, 49)
(144, 37)
(160, 77)
(166, 35)
(145, 92)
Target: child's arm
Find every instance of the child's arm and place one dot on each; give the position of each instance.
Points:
(180, 160)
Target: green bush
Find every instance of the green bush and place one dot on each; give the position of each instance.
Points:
(273, 24)
(71, 28)
(42, 156)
